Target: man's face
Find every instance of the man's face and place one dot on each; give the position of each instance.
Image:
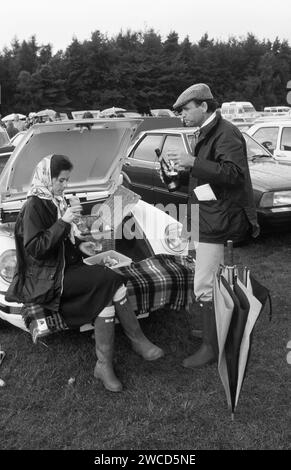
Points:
(194, 115)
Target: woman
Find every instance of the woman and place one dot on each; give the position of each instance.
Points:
(50, 270)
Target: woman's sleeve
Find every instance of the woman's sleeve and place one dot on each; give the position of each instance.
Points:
(39, 241)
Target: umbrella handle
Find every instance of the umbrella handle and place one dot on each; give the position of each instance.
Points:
(229, 245)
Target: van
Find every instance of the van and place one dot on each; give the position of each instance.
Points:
(277, 110)
(234, 109)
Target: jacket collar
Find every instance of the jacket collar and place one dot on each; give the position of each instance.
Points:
(208, 127)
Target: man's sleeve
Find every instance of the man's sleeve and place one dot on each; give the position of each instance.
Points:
(230, 161)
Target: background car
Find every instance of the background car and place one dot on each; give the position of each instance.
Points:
(163, 113)
(6, 148)
(17, 138)
(271, 180)
(275, 135)
(96, 150)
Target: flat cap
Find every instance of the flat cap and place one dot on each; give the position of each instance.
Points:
(199, 91)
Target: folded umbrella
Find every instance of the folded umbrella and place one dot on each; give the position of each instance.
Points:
(236, 312)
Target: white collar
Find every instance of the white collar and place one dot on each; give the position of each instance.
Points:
(208, 120)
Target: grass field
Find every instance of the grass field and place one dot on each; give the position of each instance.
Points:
(163, 406)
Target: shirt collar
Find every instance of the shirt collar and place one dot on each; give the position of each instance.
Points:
(209, 119)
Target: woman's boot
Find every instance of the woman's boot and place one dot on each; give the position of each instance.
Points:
(104, 339)
(207, 353)
(140, 344)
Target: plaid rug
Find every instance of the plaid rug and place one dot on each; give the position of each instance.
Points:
(41, 321)
(162, 280)
(156, 282)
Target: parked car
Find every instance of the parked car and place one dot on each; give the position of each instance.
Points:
(236, 109)
(96, 150)
(163, 113)
(275, 135)
(80, 114)
(276, 110)
(271, 180)
(17, 138)
(6, 148)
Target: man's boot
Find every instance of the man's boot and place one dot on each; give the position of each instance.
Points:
(140, 344)
(208, 351)
(104, 339)
(195, 320)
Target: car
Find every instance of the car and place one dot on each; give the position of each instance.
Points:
(163, 113)
(6, 148)
(96, 149)
(275, 135)
(80, 114)
(271, 180)
(277, 110)
(236, 109)
(17, 138)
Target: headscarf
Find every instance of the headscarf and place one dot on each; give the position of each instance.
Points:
(42, 187)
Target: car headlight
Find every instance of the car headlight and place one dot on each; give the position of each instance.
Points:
(7, 265)
(173, 238)
(276, 199)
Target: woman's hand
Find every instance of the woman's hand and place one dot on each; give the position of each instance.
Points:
(70, 214)
(88, 248)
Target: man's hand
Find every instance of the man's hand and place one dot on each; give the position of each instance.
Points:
(181, 160)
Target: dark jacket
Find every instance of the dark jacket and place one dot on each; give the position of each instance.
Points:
(221, 161)
(39, 238)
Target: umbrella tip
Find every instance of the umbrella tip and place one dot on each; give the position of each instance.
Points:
(232, 416)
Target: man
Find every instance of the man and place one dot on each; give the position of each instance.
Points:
(226, 205)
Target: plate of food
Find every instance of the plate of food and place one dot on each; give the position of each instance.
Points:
(111, 259)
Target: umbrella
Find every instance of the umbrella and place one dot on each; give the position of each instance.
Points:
(12, 117)
(236, 312)
(112, 111)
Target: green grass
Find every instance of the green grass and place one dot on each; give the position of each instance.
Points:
(163, 405)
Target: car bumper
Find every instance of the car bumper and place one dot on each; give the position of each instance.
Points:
(276, 217)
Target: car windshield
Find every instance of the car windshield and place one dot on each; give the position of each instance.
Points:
(255, 150)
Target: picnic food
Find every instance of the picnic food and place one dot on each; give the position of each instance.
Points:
(109, 261)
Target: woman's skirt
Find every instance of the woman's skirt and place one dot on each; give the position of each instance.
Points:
(87, 290)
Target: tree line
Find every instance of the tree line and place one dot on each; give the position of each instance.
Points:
(136, 70)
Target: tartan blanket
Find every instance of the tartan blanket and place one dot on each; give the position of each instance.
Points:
(41, 321)
(162, 280)
(156, 282)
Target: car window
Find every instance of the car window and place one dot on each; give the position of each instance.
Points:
(3, 161)
(267, 134)
(254, 149)
(4, 139)
(286, 139)
(173, 142)
(146, 149)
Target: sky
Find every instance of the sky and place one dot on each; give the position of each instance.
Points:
(58, 21)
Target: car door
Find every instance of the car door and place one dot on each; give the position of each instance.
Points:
(161, 193)
(141, 165)
(268, 137)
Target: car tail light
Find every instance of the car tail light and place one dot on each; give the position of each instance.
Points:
(276, 199)
(282, 198)
(267, 200)
(7, 265)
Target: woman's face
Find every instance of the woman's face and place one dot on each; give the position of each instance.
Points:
(60, 182)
